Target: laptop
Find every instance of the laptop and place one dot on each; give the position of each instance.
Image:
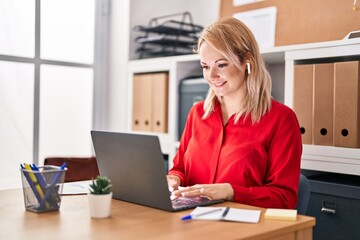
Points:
(135, 165)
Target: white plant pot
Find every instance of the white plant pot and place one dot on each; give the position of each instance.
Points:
(100, 205)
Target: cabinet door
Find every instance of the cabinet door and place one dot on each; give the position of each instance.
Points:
(337, 217)
(142, 102)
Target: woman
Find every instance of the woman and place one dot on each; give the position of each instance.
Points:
(239, 144)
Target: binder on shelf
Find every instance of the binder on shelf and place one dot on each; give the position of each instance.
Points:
(303, 99)
(142, 103)
(346, 109)
(323, 104)
(150, 102)
(160, 102)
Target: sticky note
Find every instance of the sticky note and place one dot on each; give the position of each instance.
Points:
(281, 214)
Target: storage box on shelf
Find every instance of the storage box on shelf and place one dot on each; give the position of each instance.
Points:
(326, 99)
(150, 98)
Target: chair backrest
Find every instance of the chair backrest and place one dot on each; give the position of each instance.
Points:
(304, 195)
(79, 168)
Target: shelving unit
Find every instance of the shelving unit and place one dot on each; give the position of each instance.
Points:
(324, 158)
(280, 62)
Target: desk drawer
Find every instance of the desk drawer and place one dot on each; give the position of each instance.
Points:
(336, 206)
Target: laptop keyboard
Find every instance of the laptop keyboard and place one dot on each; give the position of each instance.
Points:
(183, 201)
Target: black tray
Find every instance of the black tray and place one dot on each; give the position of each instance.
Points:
(171, 27)
(163, 39)
(166, 36)
(163, 51)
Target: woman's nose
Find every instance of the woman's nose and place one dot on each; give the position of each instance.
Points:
(213, 74)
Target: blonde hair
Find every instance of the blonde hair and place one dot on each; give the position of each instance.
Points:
(235, 41)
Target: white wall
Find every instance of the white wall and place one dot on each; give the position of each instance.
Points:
(204, 12)
(125, 14)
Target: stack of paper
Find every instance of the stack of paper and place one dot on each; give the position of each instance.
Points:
(280, 214)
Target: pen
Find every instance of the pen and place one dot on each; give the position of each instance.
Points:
(37, 185)
(54, 181)
(54, 199)
(188, 217)
(31, 184)
(225, 212)
(38, 175)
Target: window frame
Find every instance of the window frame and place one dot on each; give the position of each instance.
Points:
(99, 67)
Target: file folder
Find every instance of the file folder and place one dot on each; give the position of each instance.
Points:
(160, 102)
(303, 99)
(346, 109)
(150, 102)
(323, 104)
(142, 103)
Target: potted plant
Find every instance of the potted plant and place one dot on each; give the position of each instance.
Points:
(100, 197)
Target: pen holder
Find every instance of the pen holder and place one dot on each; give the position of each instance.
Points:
(43, 188)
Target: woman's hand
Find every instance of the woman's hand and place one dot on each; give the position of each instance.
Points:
(173, 182)
(212, 191)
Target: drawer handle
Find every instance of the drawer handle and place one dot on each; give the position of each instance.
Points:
(328, 210)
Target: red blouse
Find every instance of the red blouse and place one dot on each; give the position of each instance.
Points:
(260, 161)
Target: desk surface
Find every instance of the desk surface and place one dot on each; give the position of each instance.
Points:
(131, 221)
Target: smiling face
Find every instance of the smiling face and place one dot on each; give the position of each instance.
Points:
(225, 79)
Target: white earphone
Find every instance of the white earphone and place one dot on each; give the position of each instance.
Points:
(248, 68)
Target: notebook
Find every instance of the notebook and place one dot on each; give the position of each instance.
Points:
(135, 165)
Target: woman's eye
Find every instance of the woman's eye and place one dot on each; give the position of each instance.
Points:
(222, 65)
(204, 67)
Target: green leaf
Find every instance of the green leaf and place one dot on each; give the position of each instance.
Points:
(100, 185)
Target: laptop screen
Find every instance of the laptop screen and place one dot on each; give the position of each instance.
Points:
(135, 165)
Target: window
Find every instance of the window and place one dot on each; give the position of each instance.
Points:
(49, 54)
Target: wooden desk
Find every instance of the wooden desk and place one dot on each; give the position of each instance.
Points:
(131, 221)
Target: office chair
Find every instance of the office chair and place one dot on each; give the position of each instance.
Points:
(78, 168)
(304, 195)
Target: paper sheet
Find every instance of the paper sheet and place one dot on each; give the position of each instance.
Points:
(76, 188)
(234, 214)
